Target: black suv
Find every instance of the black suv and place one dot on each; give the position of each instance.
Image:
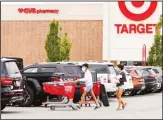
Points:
(11, 82)
(38, 73)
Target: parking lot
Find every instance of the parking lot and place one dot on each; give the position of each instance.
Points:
(147, 106)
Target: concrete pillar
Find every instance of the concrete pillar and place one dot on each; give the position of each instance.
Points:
(106, 32)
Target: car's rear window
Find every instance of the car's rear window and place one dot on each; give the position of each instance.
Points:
(99, 68)
(143, 72)
(72, 69)
(155, 70)
(11, 68)
(49, 69)
(128, 70)
(151, 71)
(31, 70)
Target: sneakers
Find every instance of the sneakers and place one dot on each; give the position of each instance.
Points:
(79, 106)
(96, 107)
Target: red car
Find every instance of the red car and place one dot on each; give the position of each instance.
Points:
(138, 81)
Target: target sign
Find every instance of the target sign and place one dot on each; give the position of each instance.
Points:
(138, 5)
(137, 11)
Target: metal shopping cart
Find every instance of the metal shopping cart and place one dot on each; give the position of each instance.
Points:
(65, 89)
(57, 77)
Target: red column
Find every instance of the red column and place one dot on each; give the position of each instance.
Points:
(144, 55)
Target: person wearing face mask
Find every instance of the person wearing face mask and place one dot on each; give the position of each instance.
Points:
(120, 87)
(88, 83)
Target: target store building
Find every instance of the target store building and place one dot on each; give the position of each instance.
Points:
(113, 31)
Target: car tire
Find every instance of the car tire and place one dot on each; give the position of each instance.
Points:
(3, 106)
(103, 96)
(29, 97)
(158, 89)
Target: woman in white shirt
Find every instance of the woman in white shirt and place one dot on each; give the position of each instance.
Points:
(89, 85)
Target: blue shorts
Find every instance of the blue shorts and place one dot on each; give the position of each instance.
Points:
(88, 88)
(119, 87)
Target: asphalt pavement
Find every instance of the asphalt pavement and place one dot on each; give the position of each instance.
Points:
(147, 106)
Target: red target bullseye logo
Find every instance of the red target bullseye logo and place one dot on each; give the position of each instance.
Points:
(137, 4)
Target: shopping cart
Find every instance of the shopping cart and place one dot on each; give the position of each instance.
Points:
(57, 77)
(65, 89)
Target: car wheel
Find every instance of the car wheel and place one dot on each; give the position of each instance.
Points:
(129, 92)
(3, 106)
(158, 88)
(103, 96)
(29, 97)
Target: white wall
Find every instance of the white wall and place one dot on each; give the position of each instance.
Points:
(67, 11)
(126, 47)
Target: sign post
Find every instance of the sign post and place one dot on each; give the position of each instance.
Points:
(144, 55)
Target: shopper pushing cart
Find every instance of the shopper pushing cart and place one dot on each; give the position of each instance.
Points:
(89, 85)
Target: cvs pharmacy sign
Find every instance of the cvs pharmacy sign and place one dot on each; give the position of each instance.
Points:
(136, 28)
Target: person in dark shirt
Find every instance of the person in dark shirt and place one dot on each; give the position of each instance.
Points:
(120, 87)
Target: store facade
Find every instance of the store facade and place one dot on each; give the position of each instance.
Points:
(26, 25)
(131, 25)
(98, 31)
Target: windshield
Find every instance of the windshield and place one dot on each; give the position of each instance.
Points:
(11, 68)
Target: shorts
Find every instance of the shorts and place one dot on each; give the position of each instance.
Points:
(122, 87)
(88, 88)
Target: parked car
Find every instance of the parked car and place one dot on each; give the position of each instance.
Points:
(38, 73)
(138, 81)
(128, 85)
(157, 77)
(11, 82)
(149, 80)
(158, 72)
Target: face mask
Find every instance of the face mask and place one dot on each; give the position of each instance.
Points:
(118, 69)
(83, 69)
